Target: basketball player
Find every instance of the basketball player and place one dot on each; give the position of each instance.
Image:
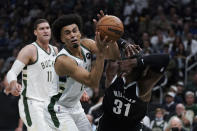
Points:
(36, 61)
(75, 71)
(123, 108)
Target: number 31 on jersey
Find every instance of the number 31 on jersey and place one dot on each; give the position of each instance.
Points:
(118, 109)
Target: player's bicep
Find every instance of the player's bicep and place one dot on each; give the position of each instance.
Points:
(26, 54)
(67, 66)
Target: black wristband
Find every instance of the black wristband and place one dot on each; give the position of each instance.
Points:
(121, 43)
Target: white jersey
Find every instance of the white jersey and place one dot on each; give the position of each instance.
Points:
(37, 77)
(70, 90)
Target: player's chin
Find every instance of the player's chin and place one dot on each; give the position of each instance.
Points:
(47, 37)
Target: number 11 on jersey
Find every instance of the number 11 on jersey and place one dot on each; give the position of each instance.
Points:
(49, 76)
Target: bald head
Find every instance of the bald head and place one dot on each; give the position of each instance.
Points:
(180, 109)
(180, 106)
(175, 122)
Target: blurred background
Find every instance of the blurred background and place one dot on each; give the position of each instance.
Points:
(158, 26)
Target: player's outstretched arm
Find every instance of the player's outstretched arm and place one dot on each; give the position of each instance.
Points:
(24, 57)
(155, 68)
(146, 84)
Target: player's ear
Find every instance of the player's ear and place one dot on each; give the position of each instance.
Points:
(79, 35)
(35, 32)
(62, 36)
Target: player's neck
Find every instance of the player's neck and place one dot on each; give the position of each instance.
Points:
(76, 51)
(43, 44)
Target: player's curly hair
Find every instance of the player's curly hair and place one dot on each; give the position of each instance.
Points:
(65, 20)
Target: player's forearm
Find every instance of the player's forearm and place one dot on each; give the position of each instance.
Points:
(157, 62)
(14, 71)
(96, 72)
(146, 84)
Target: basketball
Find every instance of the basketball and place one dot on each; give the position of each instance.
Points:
(110, 26)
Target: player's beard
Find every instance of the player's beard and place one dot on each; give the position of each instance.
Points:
(75, 45)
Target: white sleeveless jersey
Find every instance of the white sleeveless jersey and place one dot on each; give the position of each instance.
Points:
(37, 77)
(70, 90)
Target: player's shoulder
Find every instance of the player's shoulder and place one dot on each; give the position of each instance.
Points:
(55, 49)
(29, 48)
(63, 56)
(86, 42)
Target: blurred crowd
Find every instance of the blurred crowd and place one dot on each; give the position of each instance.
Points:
(158, 26)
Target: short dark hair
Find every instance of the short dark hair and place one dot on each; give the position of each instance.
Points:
(38, 21)
(65, 20)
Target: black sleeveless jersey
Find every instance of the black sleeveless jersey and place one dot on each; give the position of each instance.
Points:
(123, 110)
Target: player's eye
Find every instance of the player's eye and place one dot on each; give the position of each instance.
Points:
(67, 32)
(74, 30)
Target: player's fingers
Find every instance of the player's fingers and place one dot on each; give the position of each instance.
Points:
(18, 88)
(83, 98)
(86, 98)
(134, 49)
(127, 53)
(138, 47)
(7, 91)
(130, 51)
(96, 36)
(105, 40)
(15, 93)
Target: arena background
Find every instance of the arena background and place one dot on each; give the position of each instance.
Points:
(158, 26)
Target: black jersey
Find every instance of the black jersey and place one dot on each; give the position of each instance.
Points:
(123, 110)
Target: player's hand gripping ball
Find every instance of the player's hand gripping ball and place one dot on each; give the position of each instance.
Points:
(110, 26)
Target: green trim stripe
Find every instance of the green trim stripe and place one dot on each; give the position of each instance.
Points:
(44, 49)
(24, 75)
(36, 57)
(62, 88)
(52, 111)
(64, 55)
(26, 108)
(84, 57)
(76, 56)
(85, 47)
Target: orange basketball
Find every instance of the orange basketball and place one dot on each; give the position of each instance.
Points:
(110, 26)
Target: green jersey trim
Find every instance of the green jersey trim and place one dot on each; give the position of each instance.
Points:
(84, 58)
(64, 55)
(51, 110)
(26, 108)
(85, 47)
(44, 49)
(36, 57)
